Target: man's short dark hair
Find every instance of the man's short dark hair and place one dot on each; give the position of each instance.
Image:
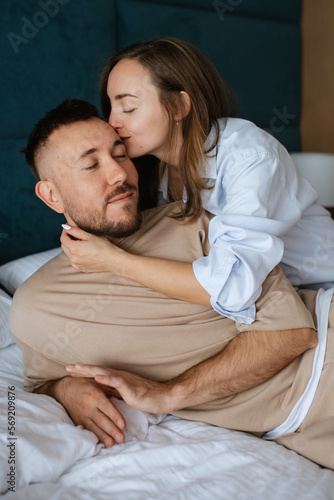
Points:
(69, 111)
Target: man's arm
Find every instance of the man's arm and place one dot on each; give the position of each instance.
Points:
(87, 404)
(248, 360)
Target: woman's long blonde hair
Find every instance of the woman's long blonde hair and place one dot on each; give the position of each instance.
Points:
(175, 65)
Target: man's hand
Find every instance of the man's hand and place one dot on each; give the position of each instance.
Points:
(138, 392)
(87, 404)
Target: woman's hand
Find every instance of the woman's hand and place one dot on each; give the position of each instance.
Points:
(88, 253)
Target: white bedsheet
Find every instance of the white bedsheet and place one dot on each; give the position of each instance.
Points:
(163, 457)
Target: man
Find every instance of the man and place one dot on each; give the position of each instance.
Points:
(165, 355)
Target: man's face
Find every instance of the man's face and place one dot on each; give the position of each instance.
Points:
(96, 183)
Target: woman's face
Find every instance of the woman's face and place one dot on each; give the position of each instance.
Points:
(136, 112)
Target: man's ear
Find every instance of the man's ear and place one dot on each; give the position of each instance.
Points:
(47, 192)
(182, 105)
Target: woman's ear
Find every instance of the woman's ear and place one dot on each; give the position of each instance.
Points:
(186, 103)
(182, 105)
(46, 191)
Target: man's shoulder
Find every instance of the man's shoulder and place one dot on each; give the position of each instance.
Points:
(165, 236)
(164, 214)
(41, 279)
(29, 297)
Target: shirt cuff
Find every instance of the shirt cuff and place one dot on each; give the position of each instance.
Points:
(213, 278)
(246, 316)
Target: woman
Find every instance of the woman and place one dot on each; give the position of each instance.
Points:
(166, 100)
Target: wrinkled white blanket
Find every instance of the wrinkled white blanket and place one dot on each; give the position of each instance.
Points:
(163, 457)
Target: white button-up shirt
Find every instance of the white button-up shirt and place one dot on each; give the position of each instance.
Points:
(265, 213)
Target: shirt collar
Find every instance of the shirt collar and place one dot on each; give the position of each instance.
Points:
(211, 157)
(211, 164)
(163, 188)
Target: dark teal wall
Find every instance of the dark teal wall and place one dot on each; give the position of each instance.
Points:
(54, 49)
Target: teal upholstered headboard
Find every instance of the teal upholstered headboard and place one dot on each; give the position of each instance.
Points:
(54, 49)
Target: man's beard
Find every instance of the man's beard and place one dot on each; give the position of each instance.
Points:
(111, 229)
(114, 230)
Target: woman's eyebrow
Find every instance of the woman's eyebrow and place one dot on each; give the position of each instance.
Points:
(118, 97)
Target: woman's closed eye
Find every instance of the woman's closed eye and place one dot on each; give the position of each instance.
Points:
(128, 110)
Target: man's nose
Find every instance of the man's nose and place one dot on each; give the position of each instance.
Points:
(115, 173)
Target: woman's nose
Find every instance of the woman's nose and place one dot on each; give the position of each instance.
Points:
(114, 121)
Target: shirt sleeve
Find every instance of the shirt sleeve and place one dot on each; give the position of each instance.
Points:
(261, 202)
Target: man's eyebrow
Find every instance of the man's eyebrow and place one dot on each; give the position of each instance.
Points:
(118, 97)
(90, 151)
(118, 142)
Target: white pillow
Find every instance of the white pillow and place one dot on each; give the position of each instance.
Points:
(6, 337)
(48, 443)
(14, 273)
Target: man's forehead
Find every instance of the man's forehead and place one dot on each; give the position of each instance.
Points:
(92, 129)
(74, 139)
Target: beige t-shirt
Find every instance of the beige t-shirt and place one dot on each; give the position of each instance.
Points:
(61, 316)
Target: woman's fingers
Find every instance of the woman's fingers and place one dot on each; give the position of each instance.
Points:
(74, 232)
(83, 370)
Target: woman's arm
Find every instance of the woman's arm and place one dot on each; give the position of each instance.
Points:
(171, 278)
(89, 253)
(258, 197)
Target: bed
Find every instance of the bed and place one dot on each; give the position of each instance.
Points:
(44, 455)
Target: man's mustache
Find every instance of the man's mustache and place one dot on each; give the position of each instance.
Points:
(123, 189)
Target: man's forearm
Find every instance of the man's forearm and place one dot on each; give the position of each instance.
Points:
(249, 359)
(51, 388)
